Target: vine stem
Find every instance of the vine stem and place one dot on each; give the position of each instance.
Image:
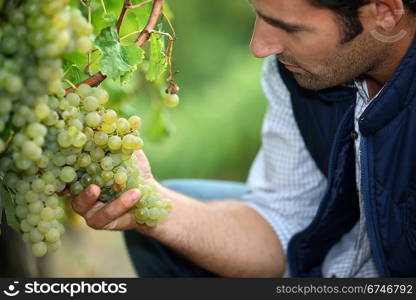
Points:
(126, 4)
(103, 5)
(88, 68)
(144, 36)
(151, 24)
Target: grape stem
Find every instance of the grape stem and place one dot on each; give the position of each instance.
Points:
(144, 36)
(169, 53)
(140, 4)
(126, 4)
(70, 83)
(151, 24)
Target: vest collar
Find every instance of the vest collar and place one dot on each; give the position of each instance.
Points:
(396, 95)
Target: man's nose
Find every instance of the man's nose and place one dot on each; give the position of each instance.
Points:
(266, 40)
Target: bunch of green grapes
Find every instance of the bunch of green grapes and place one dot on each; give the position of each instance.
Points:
(60, 141)
(34, 37)
(104, 145)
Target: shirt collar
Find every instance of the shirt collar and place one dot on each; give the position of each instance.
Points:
(362, 89)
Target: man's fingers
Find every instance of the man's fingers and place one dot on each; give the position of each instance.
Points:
(114, 210)
(124, 222)
(86, 200)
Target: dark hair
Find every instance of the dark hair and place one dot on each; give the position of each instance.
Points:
(347, 12)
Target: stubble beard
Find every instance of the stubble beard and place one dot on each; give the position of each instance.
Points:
(350, 60)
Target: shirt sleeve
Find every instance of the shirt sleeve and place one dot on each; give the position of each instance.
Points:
(284, 184)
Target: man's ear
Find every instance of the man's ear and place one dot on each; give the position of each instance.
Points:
(388, 13)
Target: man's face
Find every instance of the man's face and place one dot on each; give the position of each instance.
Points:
(310, 39)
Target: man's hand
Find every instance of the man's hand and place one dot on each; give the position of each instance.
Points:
(115, 215)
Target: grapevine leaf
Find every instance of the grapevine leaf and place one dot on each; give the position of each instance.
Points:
(9, 209)
(76, 58)
(157, 60)
(142, 15)
(118, 61)
(110, 18)
(74, 73)
(134, 56)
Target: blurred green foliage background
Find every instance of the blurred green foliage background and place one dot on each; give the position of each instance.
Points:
(218, 123)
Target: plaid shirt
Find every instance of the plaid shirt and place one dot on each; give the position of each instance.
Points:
(285, 186)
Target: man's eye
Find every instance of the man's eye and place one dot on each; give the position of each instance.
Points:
(285, 29)
(288, 30)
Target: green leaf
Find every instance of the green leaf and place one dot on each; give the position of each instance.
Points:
(110, 18)
(74, 73)
(7, 200)
(142, 15)
(76, 58)
(157, 60)
(118, 61)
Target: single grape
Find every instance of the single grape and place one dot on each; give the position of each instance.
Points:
(36, 236)
(52, 235)
(39, 249)
(123, 126)
(171, 100)
(47, 214)
(90, 103)
(129, 141)
(110, 116)
(68, 174)
(135, 122)
(52, 201)
(120, 177)
(93, 119)
(44, 226)
(42, 111)
(106, 163)
(31, 150)
(102, 96)
(100, 138)
(84, 90)
(76, 188)
(73, 99)
(108, 128)
(84, 160)
(114, 143)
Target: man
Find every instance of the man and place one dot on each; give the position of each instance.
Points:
(332, 191)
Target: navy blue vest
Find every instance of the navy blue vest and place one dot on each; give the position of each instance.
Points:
(388, 177)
